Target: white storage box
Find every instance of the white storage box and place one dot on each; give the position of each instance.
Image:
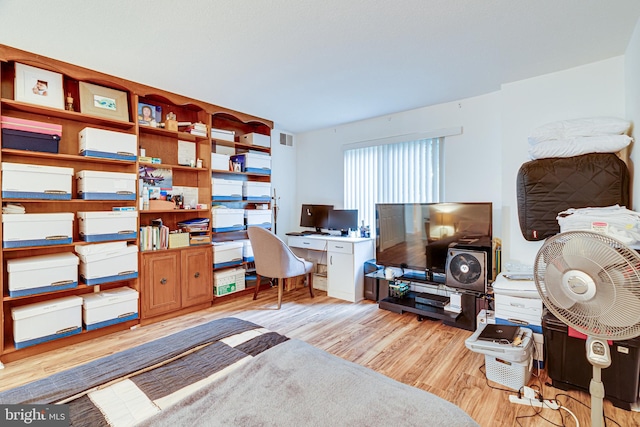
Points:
(247, 250)
(107, 144)
(42, 273)
(525, 312)
(515, 284)
(107, 225)
(224, 219)
(220, 162)
(109, 307)
(96, 185)
(225, 189)
(256, 139)
(23, 230)
(224, 135)
(254, 163)
(228, 281)
(107, 262)
(46, 321)
(256, 191)
(260, 218)
(26, 181)
(227, 254)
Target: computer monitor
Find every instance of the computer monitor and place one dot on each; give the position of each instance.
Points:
(343, 220)
(315, 216)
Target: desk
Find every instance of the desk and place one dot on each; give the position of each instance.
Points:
(345, 258)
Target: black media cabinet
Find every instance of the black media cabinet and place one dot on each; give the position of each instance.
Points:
(407, 304)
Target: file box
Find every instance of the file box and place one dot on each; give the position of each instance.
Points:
(225, 219)
(227, 254)
(42, 273)
(30, 135)
(107, 225)
(256, 139)
(107, 262)
(526, 312)
(24, 230)
(254, 163)
(225, 189)
(220, 162)
(258, 217)
(107, 144)
(97, 185)
(228, 281)
(256, 191)
(109, 307)
(45, 321)
(224, 135)
(26, 181)
(247, 250)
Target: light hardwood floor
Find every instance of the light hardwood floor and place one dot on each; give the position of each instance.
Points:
(425, 354)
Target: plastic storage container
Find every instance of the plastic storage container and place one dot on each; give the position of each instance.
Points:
(567, 365)
(24, 230)
(45, 321)
(42, 273)
(26, 181)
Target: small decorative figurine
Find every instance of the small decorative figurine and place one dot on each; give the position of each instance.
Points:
(69, 105)
(171, 123)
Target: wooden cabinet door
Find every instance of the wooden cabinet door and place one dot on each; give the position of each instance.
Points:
(197, 283)
(161, 283)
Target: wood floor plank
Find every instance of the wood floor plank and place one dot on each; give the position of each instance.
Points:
(427, 354)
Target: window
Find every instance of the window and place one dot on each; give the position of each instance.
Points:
(405, 172)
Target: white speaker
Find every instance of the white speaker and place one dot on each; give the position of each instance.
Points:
(466, 269)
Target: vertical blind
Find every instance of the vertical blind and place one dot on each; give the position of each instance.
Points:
(405, 172)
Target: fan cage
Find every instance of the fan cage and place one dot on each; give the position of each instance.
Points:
(614, 312)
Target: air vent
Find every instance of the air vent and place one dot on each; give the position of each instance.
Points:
(286, 139)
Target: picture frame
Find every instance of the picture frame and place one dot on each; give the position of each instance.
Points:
(103, 102)
(37, 86)
(149, 115)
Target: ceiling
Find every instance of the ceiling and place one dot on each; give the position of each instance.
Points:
(315, 64)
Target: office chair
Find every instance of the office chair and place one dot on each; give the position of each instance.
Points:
(274, 259)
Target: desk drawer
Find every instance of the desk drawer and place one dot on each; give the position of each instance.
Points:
(307, 243)
(341, 247)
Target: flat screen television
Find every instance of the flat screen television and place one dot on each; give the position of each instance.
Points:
(343, 220)
(315, 216)
(417, 236)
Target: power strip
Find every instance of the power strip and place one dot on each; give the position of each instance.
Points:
(547, 403)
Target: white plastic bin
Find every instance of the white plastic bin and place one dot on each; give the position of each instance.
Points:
(97, 185)
(256, 191)
(224, 219)
(103, 226)
(108, 144)
(258, 217)
(24, 230)
(26, 181)
(109, 307)
(228, 281)
(107, 262)
(45, 321)
(42, 273)
(220, 162)
(225, 189)
(254, 163)
(227, 254)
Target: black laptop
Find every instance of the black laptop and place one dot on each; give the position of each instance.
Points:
(499, 333)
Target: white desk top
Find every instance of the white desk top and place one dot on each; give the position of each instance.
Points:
(333, 237)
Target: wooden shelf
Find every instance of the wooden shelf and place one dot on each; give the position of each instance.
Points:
(185, 211)
(173, 167)
(65, 157)
(80, 287)
(66, 245)
(171, 133)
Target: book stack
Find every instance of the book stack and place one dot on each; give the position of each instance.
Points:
(198, 129)
(198, 229)
(154, 237)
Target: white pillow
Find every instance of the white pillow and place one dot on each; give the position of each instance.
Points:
(580, 145)
(566, 129)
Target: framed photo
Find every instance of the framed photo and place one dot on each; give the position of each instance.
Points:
(149, 115)
(104, 102)
(37, 86)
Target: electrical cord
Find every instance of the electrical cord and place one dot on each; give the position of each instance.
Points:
(586, 406)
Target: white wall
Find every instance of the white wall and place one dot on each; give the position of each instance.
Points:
(632, 90)
(481, 164)
(283, 166)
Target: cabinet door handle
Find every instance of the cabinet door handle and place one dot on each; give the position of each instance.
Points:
(331, 260)
(197, 274)
(163, 281)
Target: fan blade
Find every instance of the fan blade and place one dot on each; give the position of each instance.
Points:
(555, 290)
(621, 313)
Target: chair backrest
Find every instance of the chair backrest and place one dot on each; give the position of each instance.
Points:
(272, 256)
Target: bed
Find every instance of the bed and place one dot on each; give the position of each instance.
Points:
(230, 372)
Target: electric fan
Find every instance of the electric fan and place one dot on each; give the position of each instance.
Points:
(591, 282)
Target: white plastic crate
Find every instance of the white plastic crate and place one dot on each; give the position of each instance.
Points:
(228, 281)
(109, 307)
(42, 273)
(225, 219)
(98, 185)
(45, 321)
(26, 181)
(103, 226)
(24, 230)
(513, 375)
(226, 189)
(108, 144)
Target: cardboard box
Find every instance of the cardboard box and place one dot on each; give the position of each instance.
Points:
(42, 273)
(228, 281)
(256, 139)
(30, 135)
(256, 191)
(108, 144)
(104, 226)
(227, 254)
(107, 262)
(259, 218)
(254, 163)
(26, 181)
(45, 321)
(25, 230)
(223, 135)
(109, 307)
(97, 185)
(225, 219)
(226, 189)
(220, 162)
